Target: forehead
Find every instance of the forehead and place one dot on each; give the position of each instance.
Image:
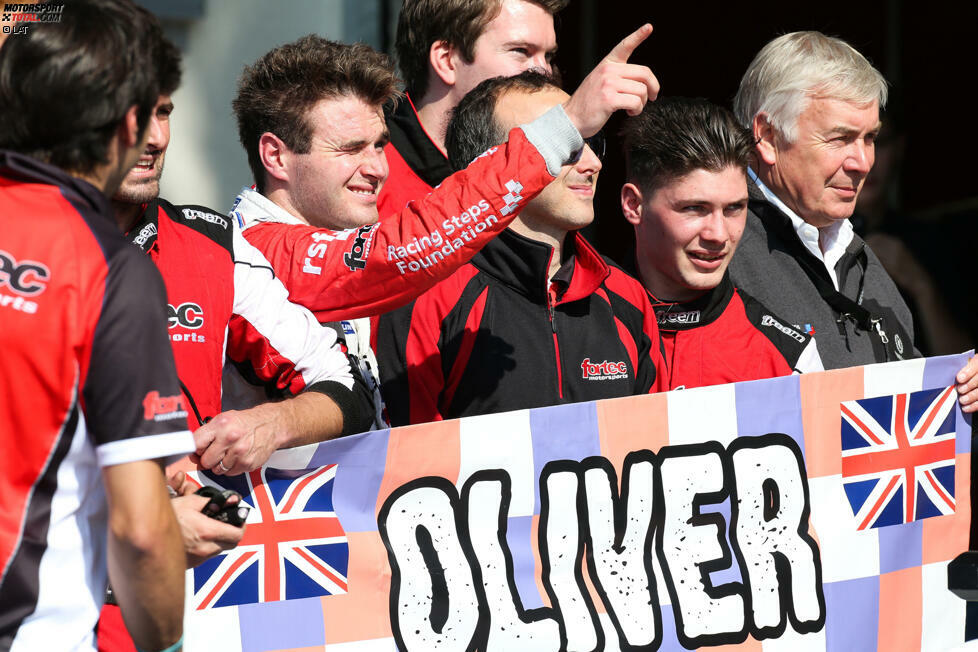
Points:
(517, 106)
(523, 21)
(346, 117)
(724, 186)
(827, 113)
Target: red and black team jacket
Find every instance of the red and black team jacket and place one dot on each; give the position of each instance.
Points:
(497, 335)
(86, 381)
(727, 336)
(416, 164)
(225, 300)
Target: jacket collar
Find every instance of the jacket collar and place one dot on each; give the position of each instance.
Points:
(413, 143)
(705, 309)
(145, 232)
(523, 264)
(251, 207)
(14, 165)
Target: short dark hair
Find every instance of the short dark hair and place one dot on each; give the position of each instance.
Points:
(276, 93)
(422, 23)
(675, 136)
(66, 86)
(473, 128)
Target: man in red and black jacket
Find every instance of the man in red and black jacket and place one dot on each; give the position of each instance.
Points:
(537, 317)
(224, 303)
(687, 199)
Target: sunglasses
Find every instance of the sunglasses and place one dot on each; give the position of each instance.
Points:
(597, 143)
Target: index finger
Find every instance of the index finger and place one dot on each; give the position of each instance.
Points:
(624, 49)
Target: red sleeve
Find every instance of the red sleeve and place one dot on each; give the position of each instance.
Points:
(377, 268)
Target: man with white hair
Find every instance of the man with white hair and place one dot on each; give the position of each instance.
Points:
(812, 104)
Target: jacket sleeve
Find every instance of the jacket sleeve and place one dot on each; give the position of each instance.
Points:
(376, 268)
(283, 346)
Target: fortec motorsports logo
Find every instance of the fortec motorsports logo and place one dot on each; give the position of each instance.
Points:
(603, 370)
(17, 16)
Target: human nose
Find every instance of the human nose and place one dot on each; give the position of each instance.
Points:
(860, 157)
(715, 227)
(589, 163)
(157, 135)
(540, 63)
(374, 165)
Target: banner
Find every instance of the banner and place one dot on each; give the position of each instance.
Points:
(813, 512)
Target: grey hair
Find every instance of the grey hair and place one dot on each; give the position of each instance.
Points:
(794, 68)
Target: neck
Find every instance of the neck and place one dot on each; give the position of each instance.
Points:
(280, 196)
(549, 235)
(126, 214)
(434, 109)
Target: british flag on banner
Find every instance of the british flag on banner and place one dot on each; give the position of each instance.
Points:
(293, 546)
(898, 457)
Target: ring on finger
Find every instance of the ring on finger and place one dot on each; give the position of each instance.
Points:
(223, 468)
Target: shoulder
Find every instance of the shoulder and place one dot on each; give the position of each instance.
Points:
(788, 339)
(624, 284)
(206, 221)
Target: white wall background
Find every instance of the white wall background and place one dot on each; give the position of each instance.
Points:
(205, 164)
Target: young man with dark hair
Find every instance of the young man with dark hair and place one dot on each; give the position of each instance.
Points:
(90, 405)
(686, 196)
(313, 188)
(444, 49)
(537, 317)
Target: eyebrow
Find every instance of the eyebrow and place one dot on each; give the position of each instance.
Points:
(363, 142)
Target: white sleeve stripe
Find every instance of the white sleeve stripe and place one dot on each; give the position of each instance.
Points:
(290, 330)
(170, 446)
(809, 360)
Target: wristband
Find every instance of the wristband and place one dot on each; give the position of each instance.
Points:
(173, 648)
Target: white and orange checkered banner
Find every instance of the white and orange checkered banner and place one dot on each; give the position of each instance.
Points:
(814, 512)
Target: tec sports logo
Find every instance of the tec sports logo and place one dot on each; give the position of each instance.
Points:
(603, 370)
(27, 278)
(187, 315)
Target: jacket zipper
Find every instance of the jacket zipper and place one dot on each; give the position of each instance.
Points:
(553, 327)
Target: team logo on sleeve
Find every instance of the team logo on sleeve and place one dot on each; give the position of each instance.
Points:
(356, 258)
(163, 408)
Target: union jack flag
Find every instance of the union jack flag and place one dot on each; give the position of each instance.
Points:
(898, 457)
(293, 546)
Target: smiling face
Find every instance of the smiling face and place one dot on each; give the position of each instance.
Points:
(686, 232)
(335, 184)
(820, 174)
(567, 204)
(142, 183)
(521, 37)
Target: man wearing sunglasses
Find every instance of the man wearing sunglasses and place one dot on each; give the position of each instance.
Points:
(537, 317)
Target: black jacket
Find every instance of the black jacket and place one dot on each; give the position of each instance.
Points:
(496, 336)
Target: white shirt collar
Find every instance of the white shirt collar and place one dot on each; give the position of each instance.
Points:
(835, 237)
(251, 207)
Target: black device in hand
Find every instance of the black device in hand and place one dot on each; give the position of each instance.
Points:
(218, 508)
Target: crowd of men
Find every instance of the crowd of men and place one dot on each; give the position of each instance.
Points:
(401, 257)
